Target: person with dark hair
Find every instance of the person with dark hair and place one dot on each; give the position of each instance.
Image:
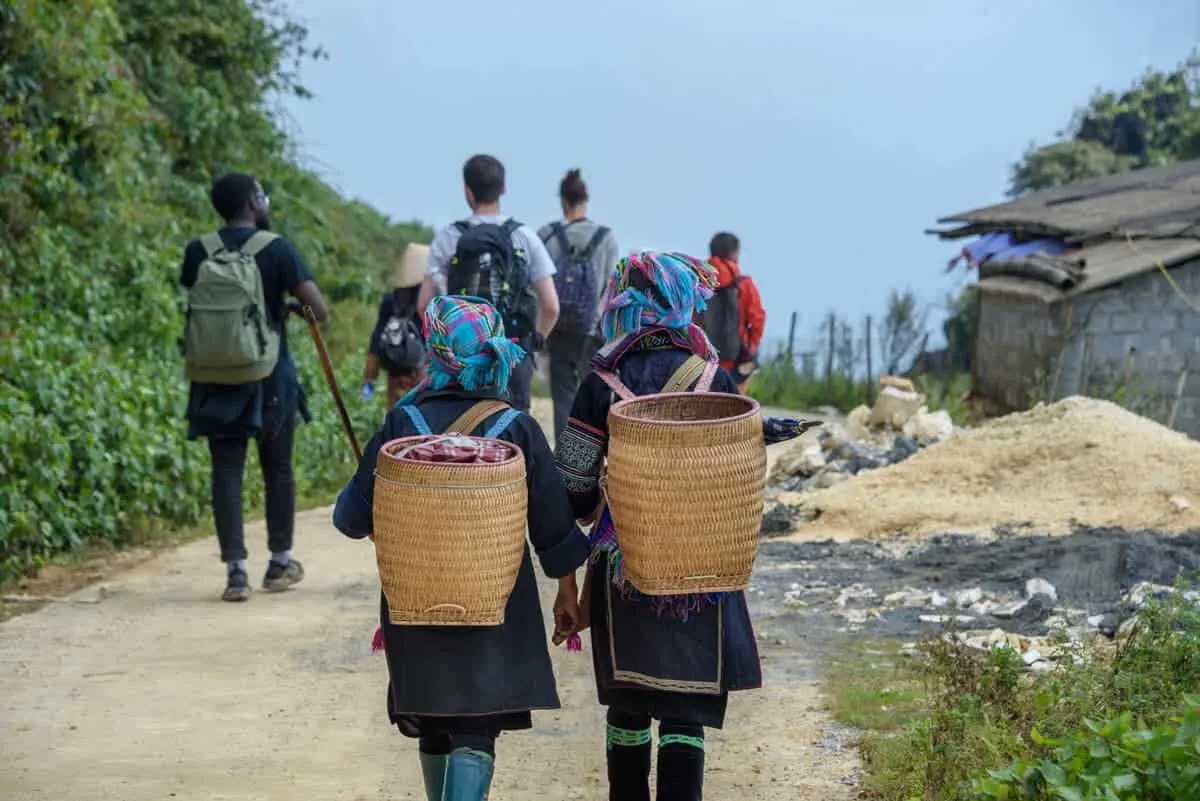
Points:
(670, 658)
(243, 381)
(456, 689)
(585, 256)
(735, 318)
(495, 257)
(397, 344)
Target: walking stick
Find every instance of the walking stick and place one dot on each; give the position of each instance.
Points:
(333, 385)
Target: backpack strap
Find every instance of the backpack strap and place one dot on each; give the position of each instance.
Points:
(592, 245)
(462, 226)
(688, 372)
(258, 242)
(615, 384)
(212, 244)
(418, 419)
(706, 377)
(559, 233)
(502, 423)
(469, 420)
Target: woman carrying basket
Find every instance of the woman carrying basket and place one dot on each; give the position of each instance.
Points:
(456, 688)
(669, 658)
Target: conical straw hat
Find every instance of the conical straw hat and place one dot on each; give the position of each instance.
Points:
(411, 268)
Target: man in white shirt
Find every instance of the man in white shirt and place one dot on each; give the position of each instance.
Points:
(483, 180)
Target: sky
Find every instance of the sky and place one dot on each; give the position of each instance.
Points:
(828, 136)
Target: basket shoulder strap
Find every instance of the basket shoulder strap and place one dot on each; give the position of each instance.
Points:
(615, 384)
(706, 377)
(687, 373)
(469, 420)
(502, 423)
(418, 419)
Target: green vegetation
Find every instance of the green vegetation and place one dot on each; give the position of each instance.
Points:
(1155, 122)
(115, 116)
(1114, 721)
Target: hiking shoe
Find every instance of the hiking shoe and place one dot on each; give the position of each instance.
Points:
(283, 577)
(237, 588)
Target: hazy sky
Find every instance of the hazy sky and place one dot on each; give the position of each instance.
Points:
(828, 136)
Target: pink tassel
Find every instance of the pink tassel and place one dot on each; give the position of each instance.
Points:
(377, 641)
(574, 643)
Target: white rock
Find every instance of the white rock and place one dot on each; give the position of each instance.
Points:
(1057, 623)
(1044, 666)
(1031, 656)
(854, 616)
(1179, 503)
(938, 601)
(1094, 621)
(858, 423)
(1039, 586)
(983, 608)
(966, 598)
(1144, 590)
(1009, 610)
(895, 407)
(927, 427)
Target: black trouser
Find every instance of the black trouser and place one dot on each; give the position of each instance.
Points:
(228, 469)
(680, 759)
(520, 383)
(440, 740)
(569, 356)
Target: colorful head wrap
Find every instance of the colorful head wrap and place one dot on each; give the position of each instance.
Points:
(467, 346)
(652, 290)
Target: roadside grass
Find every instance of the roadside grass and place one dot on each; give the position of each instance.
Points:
(1117, 720)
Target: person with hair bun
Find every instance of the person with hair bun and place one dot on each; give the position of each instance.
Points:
(585, 255)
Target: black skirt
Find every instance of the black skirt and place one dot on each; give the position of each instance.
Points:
(498, 673)
(667, 668)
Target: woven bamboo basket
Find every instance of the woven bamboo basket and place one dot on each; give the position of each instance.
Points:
(686, 479)
(449, 538)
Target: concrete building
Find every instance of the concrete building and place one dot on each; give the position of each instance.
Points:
(1091, 289)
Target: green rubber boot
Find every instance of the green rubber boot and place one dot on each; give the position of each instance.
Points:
(468, 775)
(433, 769)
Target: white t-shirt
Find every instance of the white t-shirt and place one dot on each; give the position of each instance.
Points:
(441, 250)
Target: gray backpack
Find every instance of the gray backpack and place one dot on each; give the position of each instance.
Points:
(722, 321)
(228, 338)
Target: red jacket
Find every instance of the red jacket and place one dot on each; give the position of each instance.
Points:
(750, 308)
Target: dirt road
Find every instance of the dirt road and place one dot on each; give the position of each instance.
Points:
(157, 690)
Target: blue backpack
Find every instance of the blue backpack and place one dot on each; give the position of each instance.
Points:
(576, 280)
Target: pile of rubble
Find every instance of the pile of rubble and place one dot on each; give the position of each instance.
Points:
(896, 427)
(1036, 625)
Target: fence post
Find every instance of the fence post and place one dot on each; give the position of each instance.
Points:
(870, 366)
(791, 346)
(832, 344)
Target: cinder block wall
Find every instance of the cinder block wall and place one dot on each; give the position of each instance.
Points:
(1013, 347)
(1136, 339)
(1130, 342)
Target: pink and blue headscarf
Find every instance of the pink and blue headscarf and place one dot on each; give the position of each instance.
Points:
(467, 346)
(656, 291)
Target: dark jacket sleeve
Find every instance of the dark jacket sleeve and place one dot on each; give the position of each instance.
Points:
(385, 313)
(559, 544)
(580, 451)
(352, 514)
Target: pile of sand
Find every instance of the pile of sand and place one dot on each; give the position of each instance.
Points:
(1078, 460)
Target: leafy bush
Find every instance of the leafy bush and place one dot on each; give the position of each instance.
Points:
(1109, 761)
(115, 115)
(993, 728)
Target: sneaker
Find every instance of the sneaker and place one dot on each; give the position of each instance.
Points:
(283, 577)
(237, 588)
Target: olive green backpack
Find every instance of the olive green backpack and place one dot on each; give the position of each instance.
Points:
(229, 338)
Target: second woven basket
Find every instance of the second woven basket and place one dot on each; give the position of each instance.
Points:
(449, 537)
(686, 479)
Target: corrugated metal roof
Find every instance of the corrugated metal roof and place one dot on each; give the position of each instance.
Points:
(1161, 201)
